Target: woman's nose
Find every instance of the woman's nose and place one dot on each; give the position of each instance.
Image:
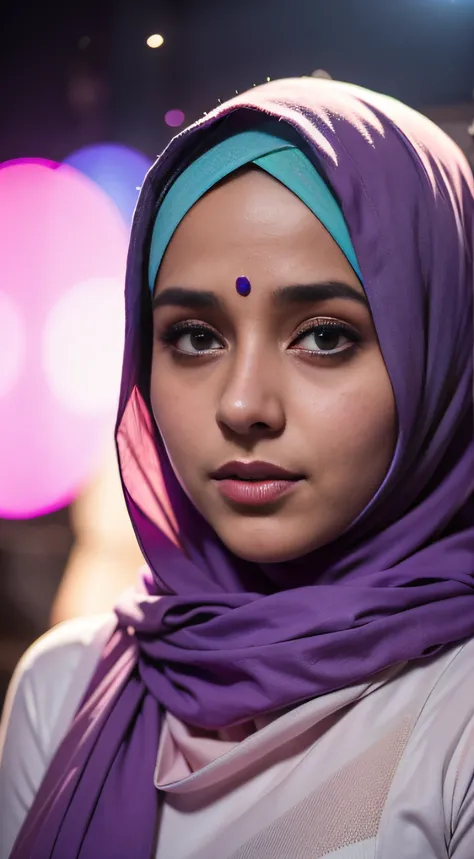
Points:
(252, 397)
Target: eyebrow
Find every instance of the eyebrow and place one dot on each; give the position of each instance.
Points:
(179, 296)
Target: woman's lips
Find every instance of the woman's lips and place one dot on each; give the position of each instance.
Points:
(254, 493)
(254, 483)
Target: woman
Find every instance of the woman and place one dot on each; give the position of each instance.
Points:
(296, 450)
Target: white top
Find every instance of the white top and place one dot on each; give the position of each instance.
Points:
(384, 770)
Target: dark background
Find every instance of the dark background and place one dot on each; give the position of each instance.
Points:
(80, 72)
(56, 93)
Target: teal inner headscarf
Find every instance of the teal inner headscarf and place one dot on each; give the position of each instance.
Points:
(272, 153)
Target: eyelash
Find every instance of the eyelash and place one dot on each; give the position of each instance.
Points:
(170, 336)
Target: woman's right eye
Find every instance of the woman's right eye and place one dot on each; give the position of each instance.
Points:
(192, 339)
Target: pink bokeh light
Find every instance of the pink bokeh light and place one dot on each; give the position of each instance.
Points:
(174, 118)
(58, 229)
(83, 341)
(13, 342)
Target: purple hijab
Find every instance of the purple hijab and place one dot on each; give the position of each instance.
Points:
(217, 640)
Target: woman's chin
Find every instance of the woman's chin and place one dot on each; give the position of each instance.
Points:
(266, 556)
(268, 549)
(262, 537)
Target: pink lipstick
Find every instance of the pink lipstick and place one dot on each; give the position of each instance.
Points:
(254, 483)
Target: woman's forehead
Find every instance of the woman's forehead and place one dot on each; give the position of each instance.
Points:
(253, 222)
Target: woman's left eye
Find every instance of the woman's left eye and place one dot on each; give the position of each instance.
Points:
(326, 339)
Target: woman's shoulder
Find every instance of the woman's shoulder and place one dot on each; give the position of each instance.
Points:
(64, 645)
(431, 798)
(55, 670)
(49, 681)
(449, 704)
(458, 673)
(45, 691)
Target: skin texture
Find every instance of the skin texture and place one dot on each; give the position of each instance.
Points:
(318, 405)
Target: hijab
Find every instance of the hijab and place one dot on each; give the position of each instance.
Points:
(267, 149)
(217, 640)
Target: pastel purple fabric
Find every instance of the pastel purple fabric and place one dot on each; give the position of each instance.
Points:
(214, 639)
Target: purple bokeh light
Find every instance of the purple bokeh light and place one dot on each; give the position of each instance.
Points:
(117, 169)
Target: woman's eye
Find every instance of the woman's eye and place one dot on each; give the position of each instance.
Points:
(322, 339)
(195, 339)
(325, 339)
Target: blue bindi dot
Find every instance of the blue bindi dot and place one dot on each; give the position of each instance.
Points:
(242, 285)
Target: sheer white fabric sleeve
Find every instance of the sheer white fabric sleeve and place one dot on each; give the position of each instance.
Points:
(462, 797)
(42, 698)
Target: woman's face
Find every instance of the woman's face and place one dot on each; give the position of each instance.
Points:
(291, 375)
